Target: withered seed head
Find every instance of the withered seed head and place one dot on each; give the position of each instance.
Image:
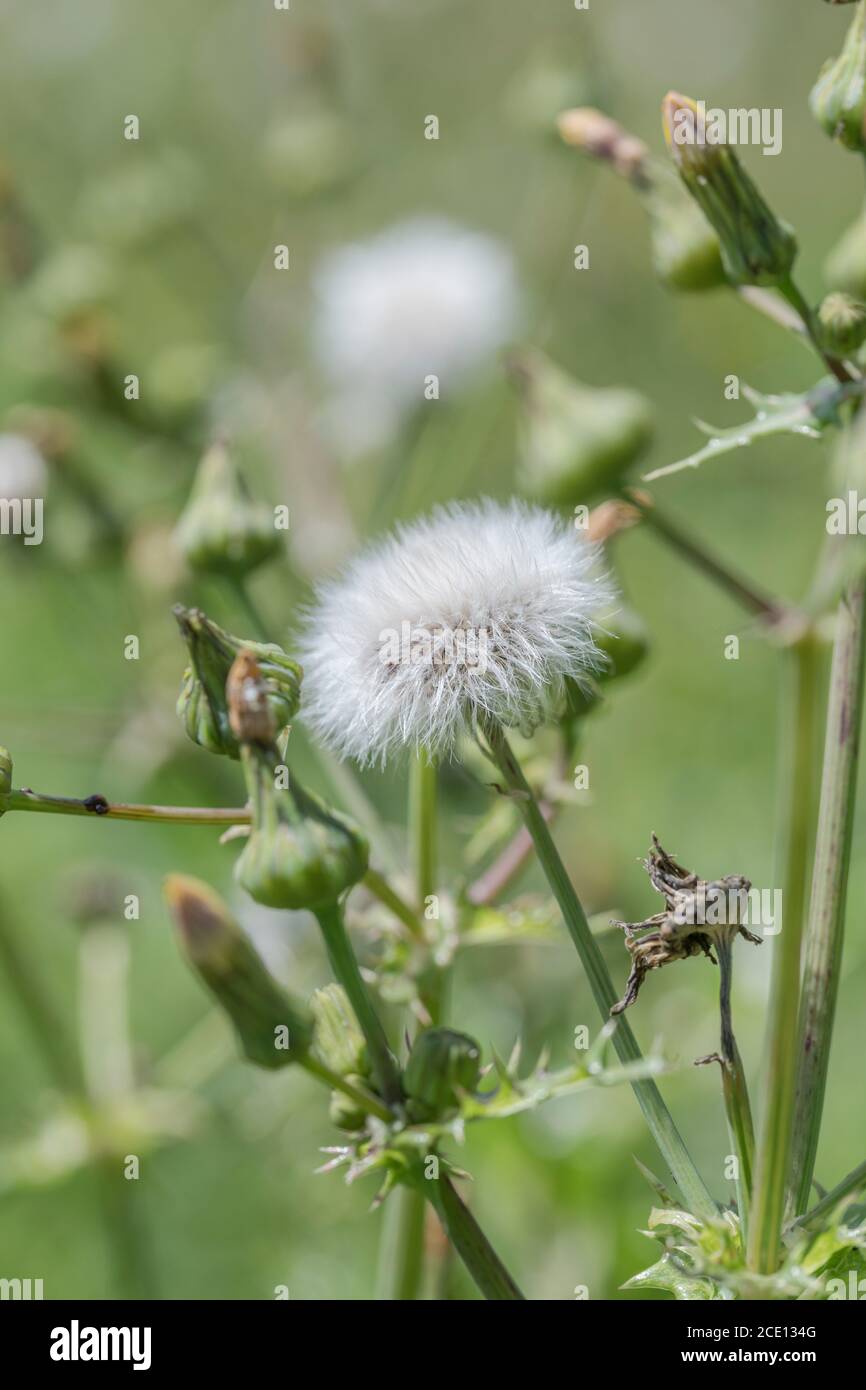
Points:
(690, 924)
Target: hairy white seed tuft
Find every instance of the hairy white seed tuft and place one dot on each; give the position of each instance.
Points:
(480, 611)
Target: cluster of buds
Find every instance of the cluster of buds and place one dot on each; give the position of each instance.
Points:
(202, 705)
(300, 854)
(688, 925)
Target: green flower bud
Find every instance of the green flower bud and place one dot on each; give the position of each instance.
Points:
(299, 853)
(685, 249)
(5, 775)
(838, 99)
(344, 1112)
(756, 247)
(271, 1028)
(203, 705)
(442, 1063)
(338, 1039)
(222, 530)
(842, 324)
(576, 441)
(845, 267)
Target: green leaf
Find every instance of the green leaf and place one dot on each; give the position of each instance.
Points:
(669, 1276)
(809, 414)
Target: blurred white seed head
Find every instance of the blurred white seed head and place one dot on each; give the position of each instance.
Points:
(23, 472)
(481, 610)
(424, 297)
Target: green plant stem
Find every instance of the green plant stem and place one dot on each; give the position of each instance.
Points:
(797, 796)
(649, 1098)
(741, 590)
(335, 1082)
(734, 1089)
(422, 826)
(249, 608)
(26, 800)
(798, 302)
(470, 1242)
(852, 1183)
(380, 888)
(401, 1255)
(401, 1252)
(823, 957)
(345, 968)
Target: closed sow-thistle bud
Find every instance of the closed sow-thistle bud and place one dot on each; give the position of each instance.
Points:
(222, 530)
(842, 324)
(838, 99)
(442, 1064)
(576, 441)
(202, 704)
(757, 248)
(299, 854)
(271, 1028)
(337, 1035)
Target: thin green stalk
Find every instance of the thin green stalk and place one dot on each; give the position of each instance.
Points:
(745, 593)
(823, 957)
(853, 1182)
(26, 800)
(379, 886)
(797, 799)
(656, 1113)
(791, 292)
(734, 1090)
(422, 826)
(249, 608)
(345, 968)
(401, 1255)
(470, 1242)
(335, 1082)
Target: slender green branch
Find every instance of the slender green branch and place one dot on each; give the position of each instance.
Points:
(422, 826)
(853, 1182)
(401, 1252)
(797, 799)
(335, 1082)
(26, 800)
(771, 610)
(380, 888)
(345, 968)
(799, 303)
(401, 1255)
(736, 1096)
(470, 1242)
(823, 957)
(649, 1098)
(249, 608)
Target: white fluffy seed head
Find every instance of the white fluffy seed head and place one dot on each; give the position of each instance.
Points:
(425, 296)
(23, 472)
(480, 611)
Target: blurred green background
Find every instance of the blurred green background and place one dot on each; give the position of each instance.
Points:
(231, 1207)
